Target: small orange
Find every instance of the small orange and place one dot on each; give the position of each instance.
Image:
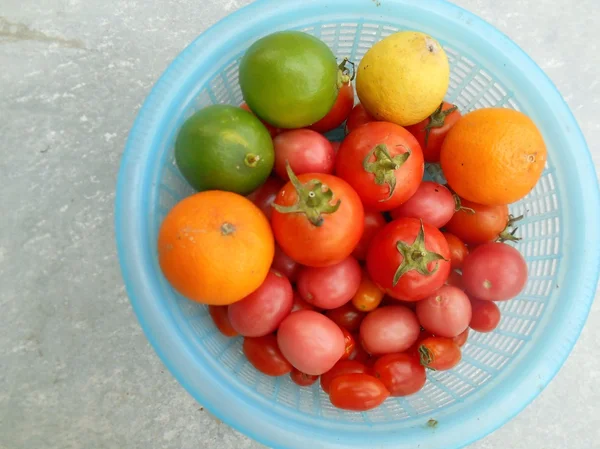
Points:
(215, 247)
(493, 156)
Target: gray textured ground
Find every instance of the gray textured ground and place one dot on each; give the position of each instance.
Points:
(75, 368)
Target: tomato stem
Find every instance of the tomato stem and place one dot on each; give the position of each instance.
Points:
(437, 120)
(314, 199)
(458, 205)
(426, 357)
(384, 166)
(508, 234)
(344, 74)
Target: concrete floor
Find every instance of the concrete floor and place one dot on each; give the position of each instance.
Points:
(75, 369)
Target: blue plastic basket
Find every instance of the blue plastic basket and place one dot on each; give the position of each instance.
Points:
(501, 371)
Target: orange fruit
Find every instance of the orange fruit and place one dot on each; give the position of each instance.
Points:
(215, 247)
(493, 156)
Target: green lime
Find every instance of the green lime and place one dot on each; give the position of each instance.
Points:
(224, 147)
(289, 79)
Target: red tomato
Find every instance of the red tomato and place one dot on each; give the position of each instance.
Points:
(455, 279)
(346, 316)
(221, 320)
(264, 196)
(357, 392)
(432, 202)
(414, 349)
(461, 339)
(330, 287)
(446, 313)
(495, 271)
(300, 304)
(401, 374)
(368, 296)
(408, 259)
(374, 221)
(306, 151)
(342, 107)
(264, 354)
(272, 130)
(350, 344)
(303, 379)
(318, 219)
(358, 117)
(383, 162)
(432, 131)
(439, 353)
(340, 368)
(458, 250)
(311, 342)
(285, 265)
(359, 354)
(389, 329)
(261, 312)
(486, 315)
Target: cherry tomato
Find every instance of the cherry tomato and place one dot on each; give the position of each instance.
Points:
(272, 130)
(402, 374)
(317, 219)
(374, 221)
(342, 107)
(358, 117)
(446, 313)
(311, 342)
(458, 250)
(303, 379)
(264, 354)
(306, 151)
(409, 259)
(495, 271)
(300, 304)
(357, 392)
(346, 316)
(432, 131)
(389, 329)
(432, 202)
(414, 349)
(330, 287)
(455, 279)
(261, 312)
(383, 162)
(368, 296)
(340, 368)
(439, 353)
(486, 315)
(285, 265)
(475, 223)
(221, 320)
(461, 339)
(264, 196)
(350, 344)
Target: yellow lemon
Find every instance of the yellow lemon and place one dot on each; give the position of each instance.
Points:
(403, 78)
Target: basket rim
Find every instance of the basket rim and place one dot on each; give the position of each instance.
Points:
(258, 420)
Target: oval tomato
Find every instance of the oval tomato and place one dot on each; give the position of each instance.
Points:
(350, 347)
(408, 259)
(357, 392)
(300, 304)
(446, 313)
(346, 316)
(330, 287)
(261, 312)
(402, 374)
(439, 353)
(340, 368)
(389, 329)
(432, 131)
(368, 296)
(285, 265)
(495, 272)
(264, 354)
(383, 162)
(317, 219)
(486, 315)
(458, 250)
(303, 379)
(358, 117)
(374, 221)
(432, 202)
(461, 339)
(311, 342)
(264, 196)
(221, 320)
(306, 151)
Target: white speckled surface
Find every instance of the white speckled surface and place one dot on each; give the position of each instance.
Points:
(75, 369)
